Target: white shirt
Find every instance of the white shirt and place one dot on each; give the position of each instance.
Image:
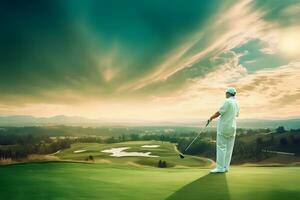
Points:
(227, 122)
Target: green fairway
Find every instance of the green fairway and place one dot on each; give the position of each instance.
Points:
(165, 151)
(60, 180)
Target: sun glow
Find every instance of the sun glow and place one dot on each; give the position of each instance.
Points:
(289, 42)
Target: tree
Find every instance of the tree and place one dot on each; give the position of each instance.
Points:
(159, 164)
(270, 142)
(91, 157)
(162, 138)
(280, 129)
(283, 142)
(164, 164)
(110, 140)
(134, 137)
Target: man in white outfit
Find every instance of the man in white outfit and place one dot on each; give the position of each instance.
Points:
(226, 130)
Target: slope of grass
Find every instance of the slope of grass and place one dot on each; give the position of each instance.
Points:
(113, 181)
(90, 181)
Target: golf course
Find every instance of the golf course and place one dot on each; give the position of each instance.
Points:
(158, 151)
(150, 100)
(138, 177)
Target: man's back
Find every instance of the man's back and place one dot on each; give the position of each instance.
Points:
(227, 122)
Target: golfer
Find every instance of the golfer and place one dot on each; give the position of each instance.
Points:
(226, 130)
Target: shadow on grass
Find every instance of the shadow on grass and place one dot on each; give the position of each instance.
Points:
(210, 187)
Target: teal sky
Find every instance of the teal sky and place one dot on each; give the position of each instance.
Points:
(154, 60)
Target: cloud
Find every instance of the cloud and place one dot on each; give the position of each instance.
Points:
(265, 93)
(149, 59)
(223, 32)
(280, 13)
(267, 50)
(54, 45)
(272, 92)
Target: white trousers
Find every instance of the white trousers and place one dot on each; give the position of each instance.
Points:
(224, 150)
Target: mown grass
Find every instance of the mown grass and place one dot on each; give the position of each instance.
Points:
(59, 180)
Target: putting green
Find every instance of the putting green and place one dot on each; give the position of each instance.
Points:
(60, 180)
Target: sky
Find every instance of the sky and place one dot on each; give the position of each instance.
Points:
(149, 60)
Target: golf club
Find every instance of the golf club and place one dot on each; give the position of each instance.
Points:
(180, 154)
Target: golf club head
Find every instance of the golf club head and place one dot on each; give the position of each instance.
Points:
(181, 156)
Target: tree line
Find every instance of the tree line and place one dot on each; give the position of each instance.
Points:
(17, 143)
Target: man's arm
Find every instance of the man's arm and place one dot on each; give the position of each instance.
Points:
(217, 114)
(221, 111)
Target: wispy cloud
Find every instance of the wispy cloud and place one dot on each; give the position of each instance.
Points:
(149, 64)
(225, 31)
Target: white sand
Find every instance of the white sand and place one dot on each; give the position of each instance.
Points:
(79, 151)
(119, 152)
(151, 146)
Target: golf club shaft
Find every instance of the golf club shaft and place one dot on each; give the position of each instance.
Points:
(192, 142)
(196, 137)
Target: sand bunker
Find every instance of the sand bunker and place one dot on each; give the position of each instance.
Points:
(79, 151)
(119, 152)
(151, 146)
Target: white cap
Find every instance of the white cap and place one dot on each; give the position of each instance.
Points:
(231, 90)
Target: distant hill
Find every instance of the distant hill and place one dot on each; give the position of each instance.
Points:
(27, 120)
(270, 123)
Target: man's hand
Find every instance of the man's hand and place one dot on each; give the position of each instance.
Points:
(208, 121)
(217, 114)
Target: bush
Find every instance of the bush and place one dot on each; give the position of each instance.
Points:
(90, 158)
(162, 164)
